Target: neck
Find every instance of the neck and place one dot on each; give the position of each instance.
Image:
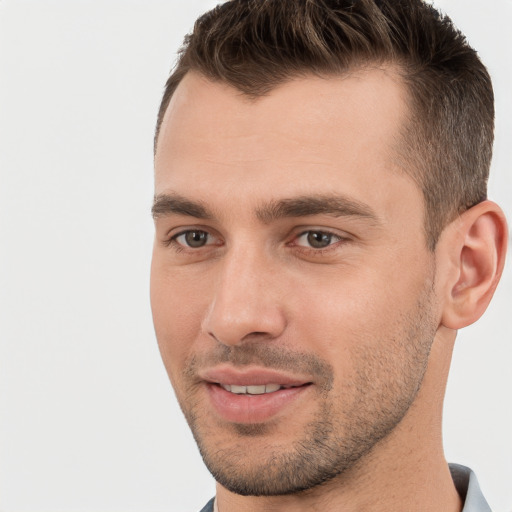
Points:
(404, 471)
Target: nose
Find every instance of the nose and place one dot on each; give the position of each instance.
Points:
(246, 303)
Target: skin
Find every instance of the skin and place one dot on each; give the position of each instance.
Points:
(368, 321)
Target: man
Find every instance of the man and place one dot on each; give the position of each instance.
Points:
(322, 232)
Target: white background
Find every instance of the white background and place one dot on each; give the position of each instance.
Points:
(88, 421)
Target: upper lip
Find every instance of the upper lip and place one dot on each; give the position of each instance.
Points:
(253, 376)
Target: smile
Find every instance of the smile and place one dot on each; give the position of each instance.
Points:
(236, 403)
(253, 394)
(253, 390)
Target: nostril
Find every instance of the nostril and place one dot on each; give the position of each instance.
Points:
(252, 336)
(215, 337)
(231, 322)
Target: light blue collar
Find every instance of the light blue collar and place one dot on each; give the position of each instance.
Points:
(467, 486)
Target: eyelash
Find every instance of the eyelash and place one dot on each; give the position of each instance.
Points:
(177, 246)
(318, 251)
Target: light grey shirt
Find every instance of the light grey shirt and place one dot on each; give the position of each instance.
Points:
(467, 486)
(465, 482)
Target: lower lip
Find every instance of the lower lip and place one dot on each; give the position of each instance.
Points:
(252, 408)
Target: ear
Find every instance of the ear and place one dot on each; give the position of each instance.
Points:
(474, 245)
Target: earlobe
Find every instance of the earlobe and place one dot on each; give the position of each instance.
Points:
(477, 252)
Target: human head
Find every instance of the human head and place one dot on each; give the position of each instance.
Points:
(245, 181)
(446, 146)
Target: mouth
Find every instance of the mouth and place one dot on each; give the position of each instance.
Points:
(253, 396)
(255, 389)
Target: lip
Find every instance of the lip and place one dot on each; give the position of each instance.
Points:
(250, 376)
(247, 409)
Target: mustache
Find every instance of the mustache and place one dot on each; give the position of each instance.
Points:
(266, 355)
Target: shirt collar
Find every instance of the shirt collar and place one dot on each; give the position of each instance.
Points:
(467, 486)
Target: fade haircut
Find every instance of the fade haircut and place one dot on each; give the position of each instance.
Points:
(446, 142)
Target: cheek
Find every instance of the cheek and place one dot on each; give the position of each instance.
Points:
(177, 308)
(357, 307)
(378, 345)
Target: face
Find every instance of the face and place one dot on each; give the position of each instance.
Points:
(291, 285)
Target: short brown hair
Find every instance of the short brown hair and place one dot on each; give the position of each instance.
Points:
(255, 45)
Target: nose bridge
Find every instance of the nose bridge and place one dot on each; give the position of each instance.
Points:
(244, 302)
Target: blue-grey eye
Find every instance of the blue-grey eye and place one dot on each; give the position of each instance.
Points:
(317, 239)
(193, 238)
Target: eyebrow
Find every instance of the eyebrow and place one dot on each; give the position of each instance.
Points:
(302, 206)
(305, 206)
(174, 204)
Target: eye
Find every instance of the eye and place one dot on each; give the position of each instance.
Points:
(317, 239)
(193, 238)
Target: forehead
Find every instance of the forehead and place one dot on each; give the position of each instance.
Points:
(309, 135)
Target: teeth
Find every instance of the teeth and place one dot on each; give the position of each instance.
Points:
(256, 390)
(251, 390)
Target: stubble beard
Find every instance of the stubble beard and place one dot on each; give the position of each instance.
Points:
(342, 432)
